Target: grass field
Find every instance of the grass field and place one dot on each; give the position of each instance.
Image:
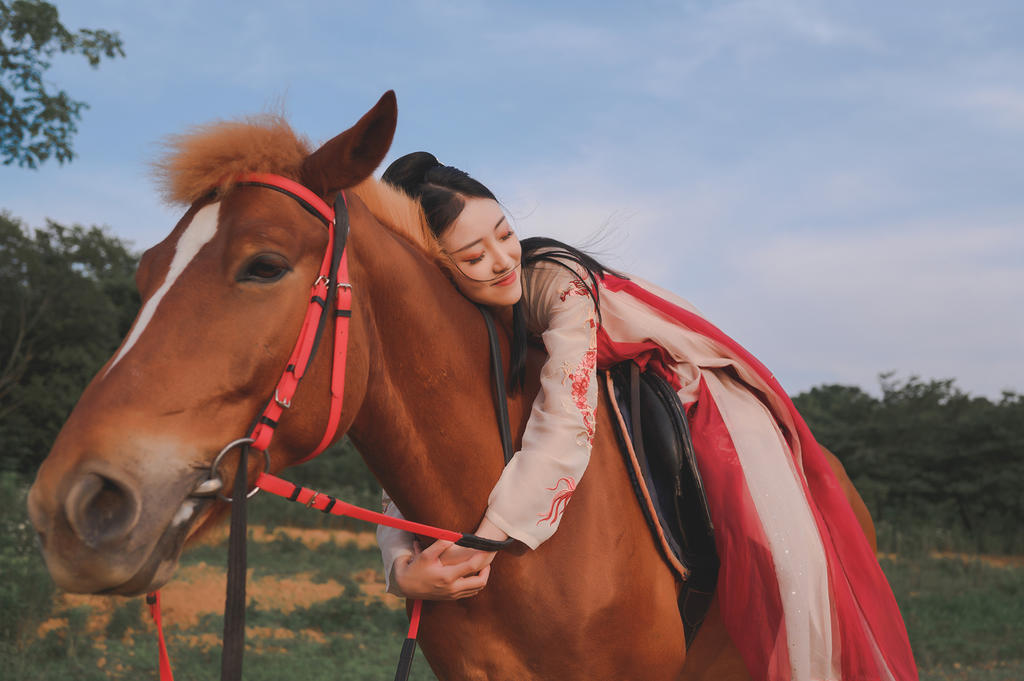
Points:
(318, 611)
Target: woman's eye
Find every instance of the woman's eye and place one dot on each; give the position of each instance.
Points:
(507, 235)
(473, 261)
(264, 269)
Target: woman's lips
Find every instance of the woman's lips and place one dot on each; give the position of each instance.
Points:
(506, 281)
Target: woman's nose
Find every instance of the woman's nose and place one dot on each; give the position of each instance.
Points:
(502, 261)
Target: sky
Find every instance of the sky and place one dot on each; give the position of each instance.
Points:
(837, 185)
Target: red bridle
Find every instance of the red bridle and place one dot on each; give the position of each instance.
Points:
(332, 280)
(331, 285)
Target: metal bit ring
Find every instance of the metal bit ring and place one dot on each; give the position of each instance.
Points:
(231, 445)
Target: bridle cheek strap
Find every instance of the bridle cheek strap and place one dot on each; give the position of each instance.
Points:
(342, 317)
(331, 285)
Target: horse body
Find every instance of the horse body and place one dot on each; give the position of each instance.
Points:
(571, 609)
(113, 501)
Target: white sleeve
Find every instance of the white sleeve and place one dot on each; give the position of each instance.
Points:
(534, 489)
(394, 544)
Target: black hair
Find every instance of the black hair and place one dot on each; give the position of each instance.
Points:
(442, 191)
(545, 249)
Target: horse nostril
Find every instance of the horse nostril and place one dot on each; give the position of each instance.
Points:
(101, 510)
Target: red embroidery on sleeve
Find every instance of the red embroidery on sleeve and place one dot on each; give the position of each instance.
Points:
(560, 500)
(576, 288)
(579, 383)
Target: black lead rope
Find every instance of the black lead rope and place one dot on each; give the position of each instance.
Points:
(234, 600)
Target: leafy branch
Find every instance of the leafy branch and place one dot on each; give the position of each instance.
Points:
(37, 121)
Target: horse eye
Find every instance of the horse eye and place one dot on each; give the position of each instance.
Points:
(264, 269)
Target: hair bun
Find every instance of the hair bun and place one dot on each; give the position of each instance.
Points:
(409, 172)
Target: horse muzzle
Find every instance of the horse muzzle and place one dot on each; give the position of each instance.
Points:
(101, 533)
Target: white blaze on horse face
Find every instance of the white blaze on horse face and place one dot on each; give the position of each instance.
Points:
(196, 235)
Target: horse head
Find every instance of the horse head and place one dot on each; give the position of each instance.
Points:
(223, 297)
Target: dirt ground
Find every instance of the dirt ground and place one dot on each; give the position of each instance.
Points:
(198, 590)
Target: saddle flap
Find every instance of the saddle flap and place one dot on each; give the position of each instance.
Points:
(662, 465)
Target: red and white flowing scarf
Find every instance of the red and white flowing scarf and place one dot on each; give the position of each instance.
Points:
(866, 637)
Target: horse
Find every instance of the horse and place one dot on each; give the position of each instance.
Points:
(223, 299)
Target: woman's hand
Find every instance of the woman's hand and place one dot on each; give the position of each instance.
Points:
(424, 575)
(460, 554)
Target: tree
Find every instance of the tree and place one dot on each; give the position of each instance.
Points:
(36, 122)
(69, 297)
(927, 456)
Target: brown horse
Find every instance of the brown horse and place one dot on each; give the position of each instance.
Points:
(224, 296)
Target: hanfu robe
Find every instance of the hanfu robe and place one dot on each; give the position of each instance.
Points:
(800, 590)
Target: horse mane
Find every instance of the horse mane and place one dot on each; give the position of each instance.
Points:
(402, 214)
(211, 156)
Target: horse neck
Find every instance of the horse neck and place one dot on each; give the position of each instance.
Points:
(426, 426)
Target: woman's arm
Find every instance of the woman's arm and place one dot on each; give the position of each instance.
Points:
(534, 490)
(529, 499)
(394, 544)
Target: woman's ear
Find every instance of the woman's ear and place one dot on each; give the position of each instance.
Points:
(350, 157)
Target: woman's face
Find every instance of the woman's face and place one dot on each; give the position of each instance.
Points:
(486, 254)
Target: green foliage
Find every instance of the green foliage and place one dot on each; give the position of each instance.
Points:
(929, 458)
(125, 617)
(36, 122)
(26, 590)
(69, 298)
(285, 556)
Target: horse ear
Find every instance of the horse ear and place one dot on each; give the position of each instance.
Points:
(350, 157)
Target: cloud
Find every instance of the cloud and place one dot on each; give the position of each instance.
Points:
(999, 106)
(746, 34)
(545, 39)
(936, 297)
(829, 274)
(808, 21)
(585, 202)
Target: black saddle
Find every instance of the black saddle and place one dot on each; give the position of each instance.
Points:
(665, 476)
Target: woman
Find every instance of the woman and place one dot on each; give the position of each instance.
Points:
(796, 605)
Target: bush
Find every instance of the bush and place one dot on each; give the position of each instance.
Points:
(26, 591)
